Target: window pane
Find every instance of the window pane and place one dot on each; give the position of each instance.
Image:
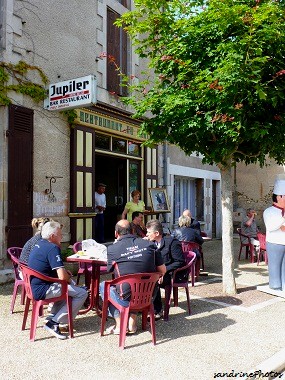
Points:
(119, 146)
(102, 141)
(134, 176)
(134, 149)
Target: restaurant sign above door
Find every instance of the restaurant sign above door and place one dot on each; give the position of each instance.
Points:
(74, 93)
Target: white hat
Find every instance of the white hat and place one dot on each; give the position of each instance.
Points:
(279, 185)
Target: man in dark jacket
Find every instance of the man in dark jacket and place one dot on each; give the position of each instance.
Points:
(129, 254)
(172, 255)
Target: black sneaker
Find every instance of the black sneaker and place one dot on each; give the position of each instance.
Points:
(54, 330)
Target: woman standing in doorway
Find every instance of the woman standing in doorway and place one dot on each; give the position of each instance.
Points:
(134, 205)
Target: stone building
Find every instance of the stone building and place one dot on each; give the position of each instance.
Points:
(49, 168)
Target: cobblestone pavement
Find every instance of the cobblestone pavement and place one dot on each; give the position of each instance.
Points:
(224, 337)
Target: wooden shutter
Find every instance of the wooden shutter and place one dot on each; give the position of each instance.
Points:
(117, 51)
(20, 175)
(151, 174)
(82, 183)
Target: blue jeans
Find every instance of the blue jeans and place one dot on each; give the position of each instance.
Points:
(114, 295)
(276, 265)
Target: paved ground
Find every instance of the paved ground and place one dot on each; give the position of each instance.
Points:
(224, 337)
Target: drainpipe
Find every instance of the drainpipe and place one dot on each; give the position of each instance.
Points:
(165, 173)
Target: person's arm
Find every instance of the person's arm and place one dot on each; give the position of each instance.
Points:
(248, 222)
(176, 253)
(273, 221)
(161, 269)
(62, 274)
(124, 214)
(198, 238)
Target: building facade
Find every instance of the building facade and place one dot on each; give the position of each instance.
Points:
(51, 168)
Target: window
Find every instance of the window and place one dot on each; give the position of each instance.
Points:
(134, 149)
(118, 50)
(134, 177)
(119, 146)
(125, 3)
(102, 141)
(188, 194)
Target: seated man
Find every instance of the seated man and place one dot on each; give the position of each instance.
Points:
(194, 223)
(249, 228)
(132, 255)
(137, 225)
(45, 258)
(186, 232)
(172, 254)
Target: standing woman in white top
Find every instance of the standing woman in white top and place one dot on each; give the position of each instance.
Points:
(274, 219)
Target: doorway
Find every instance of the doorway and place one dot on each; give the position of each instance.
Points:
(113, 172)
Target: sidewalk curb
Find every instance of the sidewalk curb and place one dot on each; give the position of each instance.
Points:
(275, 363)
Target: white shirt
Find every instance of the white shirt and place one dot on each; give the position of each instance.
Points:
(100, 200)
(273, 220)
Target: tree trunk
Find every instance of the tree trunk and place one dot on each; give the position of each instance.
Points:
(229, 285)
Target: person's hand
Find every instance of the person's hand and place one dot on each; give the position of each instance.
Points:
(282, 228)
(160, 280)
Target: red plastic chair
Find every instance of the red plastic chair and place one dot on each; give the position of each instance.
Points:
(190, 259)
(262, 250)
(195, 247)
(85, 268)
(142, 287)
(14, 253)
(245, 242)
(37, 306)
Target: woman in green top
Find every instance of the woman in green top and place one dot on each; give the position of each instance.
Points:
(134, 205)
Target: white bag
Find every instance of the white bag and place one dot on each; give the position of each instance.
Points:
(93, 249)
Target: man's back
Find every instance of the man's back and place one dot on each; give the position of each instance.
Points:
(188, 234)
(133, 255)
(45, 258)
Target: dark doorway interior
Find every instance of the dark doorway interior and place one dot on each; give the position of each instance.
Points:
(113, 172)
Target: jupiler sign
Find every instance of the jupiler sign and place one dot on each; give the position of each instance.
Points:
(74, 93)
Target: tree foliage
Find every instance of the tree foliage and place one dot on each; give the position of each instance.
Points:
(219, 76)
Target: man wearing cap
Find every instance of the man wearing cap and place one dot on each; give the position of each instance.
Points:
(274, 219)
(100, 206)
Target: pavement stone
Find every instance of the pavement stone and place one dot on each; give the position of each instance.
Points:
(224, 336)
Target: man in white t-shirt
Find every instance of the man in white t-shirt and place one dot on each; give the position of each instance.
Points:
(274, 219)
(100, 206)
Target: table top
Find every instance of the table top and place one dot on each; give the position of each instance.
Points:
(85, 259)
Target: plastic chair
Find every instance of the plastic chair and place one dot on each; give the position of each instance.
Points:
(186, 247)
(245, 242)
(142, 287)
(37, 305)
(262, 250)
(14, 253)
(85, 268)
(190, 258)
(195, 247)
